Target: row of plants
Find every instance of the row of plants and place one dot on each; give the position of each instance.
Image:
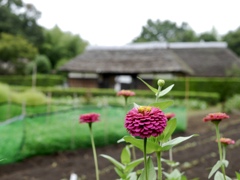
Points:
(27, 80)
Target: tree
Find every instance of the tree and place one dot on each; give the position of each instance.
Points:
(60, 45)
(166, 31)
(18, 18)
(209, 36)
(233, 40)
(42, 63)
(15, 52)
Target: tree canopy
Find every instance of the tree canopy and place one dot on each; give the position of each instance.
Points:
(18, 18)
(233, 40)
(60, 45)
(166, 31)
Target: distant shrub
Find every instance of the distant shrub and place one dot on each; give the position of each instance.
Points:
(4, 92)
(34, 97)
(233, 104)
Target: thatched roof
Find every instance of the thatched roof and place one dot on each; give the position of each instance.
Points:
(196, 59)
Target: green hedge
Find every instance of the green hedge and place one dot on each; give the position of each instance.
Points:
(211, 98)
(42, 80)
(225, 87)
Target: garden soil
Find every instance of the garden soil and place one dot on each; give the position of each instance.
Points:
(196, 156)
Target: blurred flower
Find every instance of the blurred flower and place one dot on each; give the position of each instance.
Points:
(226, 141)
(169, 115)
(89, 118)
(215, 117)
(126, 93)
(145, 121)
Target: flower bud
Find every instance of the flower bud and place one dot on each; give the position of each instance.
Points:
(161, 82)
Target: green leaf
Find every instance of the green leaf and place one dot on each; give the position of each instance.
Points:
(165, 91)
(168, 145)
(170, 163)
(133, 164)
(149, 86)
(220, 176)
(151, 146)
(135, 105)
(125, 155)
(119, 172)
(150, 170)
(132, 176)
(163, 104)
(174, 175)
(114, 161)
(169, 130)
(237, 175)
(215, 168)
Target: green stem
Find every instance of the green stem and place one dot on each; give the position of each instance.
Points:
(171, 155)
(145, 157)
(220, 148)
(94, 152)
(224, 152)
(159, 165)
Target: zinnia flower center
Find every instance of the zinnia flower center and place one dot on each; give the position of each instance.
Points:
(143, 109)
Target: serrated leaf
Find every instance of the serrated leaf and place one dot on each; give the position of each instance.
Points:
(165, 91)
(168, 145)
(150, 170)
(163, 104)
(149, 86)
(151, 146)
(125, 155)
(133, 164)
(114, 161)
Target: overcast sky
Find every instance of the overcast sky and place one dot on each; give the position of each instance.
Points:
(118, 22)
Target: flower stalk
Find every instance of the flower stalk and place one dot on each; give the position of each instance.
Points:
(159, 162)
(94, 151)
(145, 157)
(220, 147)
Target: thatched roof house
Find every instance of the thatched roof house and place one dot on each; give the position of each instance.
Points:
(99, 66)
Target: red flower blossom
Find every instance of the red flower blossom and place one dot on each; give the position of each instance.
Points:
(145, 121)
(215, 117)
(89, 118)
(169, 115)
(226, 141)
(126, 93)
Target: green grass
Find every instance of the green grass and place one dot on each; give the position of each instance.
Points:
(62, 131)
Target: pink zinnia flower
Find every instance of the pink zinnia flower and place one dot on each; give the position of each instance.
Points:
(89, 118)
(215, 117)
(126, 93)
(169, 115)
(226, 141)
(145, 121)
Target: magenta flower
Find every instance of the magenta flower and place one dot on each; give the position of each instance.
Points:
(226, 141)
(169, 115)
(89, 118)
(126, 93)
(215, 117)
(145, 121)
